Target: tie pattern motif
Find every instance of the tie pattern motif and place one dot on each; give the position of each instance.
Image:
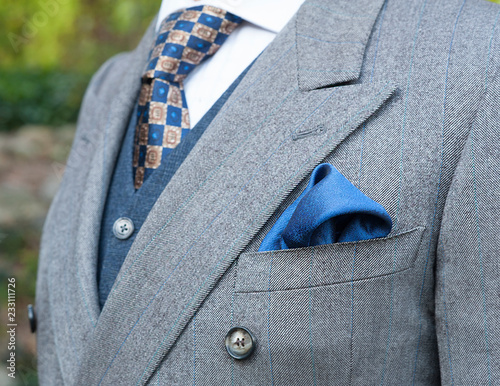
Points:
(185, 39)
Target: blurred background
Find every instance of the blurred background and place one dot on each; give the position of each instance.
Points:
(49, 50)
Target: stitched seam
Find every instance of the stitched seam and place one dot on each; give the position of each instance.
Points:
(438, 191)
(329, 41)
(265, 208)
(186, 202)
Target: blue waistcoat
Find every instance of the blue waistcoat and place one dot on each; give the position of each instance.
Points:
(124, 201)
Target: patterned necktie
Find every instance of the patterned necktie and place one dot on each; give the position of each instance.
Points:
(185, 39)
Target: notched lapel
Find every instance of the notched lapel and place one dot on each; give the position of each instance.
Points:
(333, 53)
(255, 152)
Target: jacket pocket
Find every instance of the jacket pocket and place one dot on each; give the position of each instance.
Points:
(327, 264)
(336, 314)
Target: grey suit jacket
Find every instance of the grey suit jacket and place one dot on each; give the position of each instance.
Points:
(403, 98)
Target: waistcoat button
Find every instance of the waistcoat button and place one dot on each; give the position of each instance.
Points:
(123, 228)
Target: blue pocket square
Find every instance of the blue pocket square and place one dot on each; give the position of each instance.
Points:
(329, 210)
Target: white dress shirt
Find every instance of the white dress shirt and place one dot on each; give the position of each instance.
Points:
(263, 20)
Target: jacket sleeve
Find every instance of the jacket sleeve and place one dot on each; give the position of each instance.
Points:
(468, 255)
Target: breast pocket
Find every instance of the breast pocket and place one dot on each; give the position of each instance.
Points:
(321, 315)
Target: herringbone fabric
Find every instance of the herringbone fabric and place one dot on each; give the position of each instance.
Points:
(185, 39)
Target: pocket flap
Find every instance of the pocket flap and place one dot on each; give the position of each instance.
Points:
(327, 264)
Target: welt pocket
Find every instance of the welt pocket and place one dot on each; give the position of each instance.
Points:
(327, 264)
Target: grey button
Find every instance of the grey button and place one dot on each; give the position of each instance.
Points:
(123, 228)
(240, 343)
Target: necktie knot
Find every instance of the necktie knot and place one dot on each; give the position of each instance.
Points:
(186, 38)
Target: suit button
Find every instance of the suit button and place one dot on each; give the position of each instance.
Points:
(240, 343)
(32, 318)
(123, 228)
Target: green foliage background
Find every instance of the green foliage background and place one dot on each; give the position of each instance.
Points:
(50, 48)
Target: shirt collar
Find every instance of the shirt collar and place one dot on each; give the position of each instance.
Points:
(272, 15)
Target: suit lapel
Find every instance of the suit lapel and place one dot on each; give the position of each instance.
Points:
(331, 40)
(79, 206)
(277, 125)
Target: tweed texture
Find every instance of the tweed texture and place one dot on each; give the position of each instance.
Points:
(413, 125)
